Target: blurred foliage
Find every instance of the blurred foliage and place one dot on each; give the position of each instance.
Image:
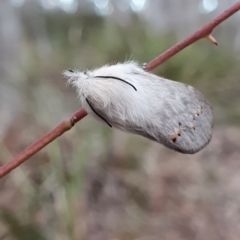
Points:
(15, 226)
(49, 195)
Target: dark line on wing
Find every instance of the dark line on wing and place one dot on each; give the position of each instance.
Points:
(117, 78)
(98, 113)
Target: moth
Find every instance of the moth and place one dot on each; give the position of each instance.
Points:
(131, 99)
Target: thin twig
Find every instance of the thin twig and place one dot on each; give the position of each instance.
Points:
(201, 33)
(69, 123)
(42, 142)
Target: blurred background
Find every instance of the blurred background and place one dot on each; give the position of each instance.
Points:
(98, 183)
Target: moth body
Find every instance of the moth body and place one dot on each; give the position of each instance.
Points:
(133, 100)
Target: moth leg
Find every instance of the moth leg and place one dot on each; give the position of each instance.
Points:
(143, 65)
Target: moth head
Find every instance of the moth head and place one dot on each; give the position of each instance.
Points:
(74, 76)
(79, 80)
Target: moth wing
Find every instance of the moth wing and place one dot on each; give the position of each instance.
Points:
(186, 119)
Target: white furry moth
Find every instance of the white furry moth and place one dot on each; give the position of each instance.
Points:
(131, 99)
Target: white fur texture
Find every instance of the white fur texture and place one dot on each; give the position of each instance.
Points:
(166, 111)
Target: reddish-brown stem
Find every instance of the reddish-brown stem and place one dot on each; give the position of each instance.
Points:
(41, 143)
(69, 123)
(201, 33)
